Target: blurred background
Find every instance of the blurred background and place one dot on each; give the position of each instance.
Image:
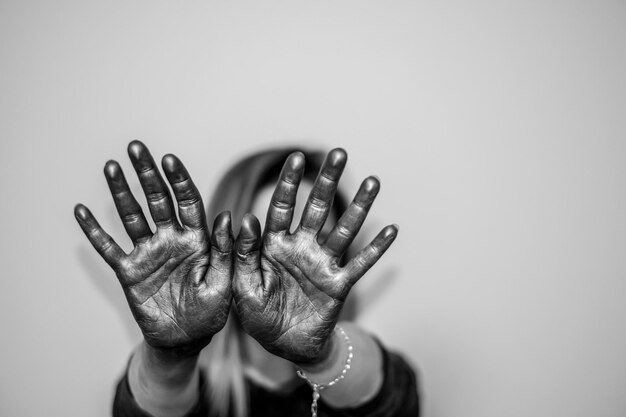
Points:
(497, 129)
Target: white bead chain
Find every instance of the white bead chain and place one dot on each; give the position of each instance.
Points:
(319, 387)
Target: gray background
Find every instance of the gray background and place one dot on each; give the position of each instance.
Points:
(497, 129)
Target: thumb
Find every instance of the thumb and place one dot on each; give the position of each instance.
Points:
(248, 277)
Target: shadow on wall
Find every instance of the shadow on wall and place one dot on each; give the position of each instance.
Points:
(105, 280)
(378, 284)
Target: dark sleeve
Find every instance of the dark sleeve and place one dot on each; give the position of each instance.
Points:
(398, 396)
(125, 405)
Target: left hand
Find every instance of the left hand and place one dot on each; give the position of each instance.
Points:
(288, 288)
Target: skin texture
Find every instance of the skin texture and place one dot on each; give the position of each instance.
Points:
(177, 279)
(289, 288)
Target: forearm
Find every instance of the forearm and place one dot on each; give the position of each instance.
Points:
(163, 384)
(362, 380)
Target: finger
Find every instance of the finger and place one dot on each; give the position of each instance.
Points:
(100, 240)
(157, 193)
(190, 207)
(280, 213)
(346, 229)
(247, 276)
(369, 255)
(129, 210)
(221, 260)
(321, 196)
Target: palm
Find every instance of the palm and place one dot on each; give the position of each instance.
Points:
(170, 310)
(310, 288)
(176, 280)
(288, 288)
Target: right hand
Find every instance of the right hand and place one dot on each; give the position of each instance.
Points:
(177, 280)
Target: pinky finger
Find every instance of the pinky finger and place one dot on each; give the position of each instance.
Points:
(369, 255)
(101, 241)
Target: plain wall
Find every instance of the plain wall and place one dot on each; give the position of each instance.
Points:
(497, 129)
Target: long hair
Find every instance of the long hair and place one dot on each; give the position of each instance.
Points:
(236, 191)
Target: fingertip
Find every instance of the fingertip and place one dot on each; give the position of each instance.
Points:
(81, 212)
(170, 162)
(250, 225)
(249, 234)
(390, 232)
(295, 160)
(337, 156)
(174, 169)
(223, 219)
(371, 184)
(135, 148)
(111, 168)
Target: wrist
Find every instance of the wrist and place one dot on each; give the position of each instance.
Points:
(329, 360)
(335, 366)
(165, 367)
(175, 354)
(355, 376)
(162, 383)
(168, 356)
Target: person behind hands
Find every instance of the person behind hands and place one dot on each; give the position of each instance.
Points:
(286, 290)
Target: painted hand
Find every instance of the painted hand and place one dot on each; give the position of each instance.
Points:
(288, 288)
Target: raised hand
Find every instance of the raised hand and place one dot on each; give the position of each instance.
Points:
(177, 280)
(288, 288)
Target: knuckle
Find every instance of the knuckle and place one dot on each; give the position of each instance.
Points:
(188, 201)
(182, 182)
(156, 196)
(131, 217)
(344, 232)
(290, 180)
(318, 203)
(281, 204)
(327, 175)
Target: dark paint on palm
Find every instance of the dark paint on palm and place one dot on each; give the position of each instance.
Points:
(177, 280)
(288, 288)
